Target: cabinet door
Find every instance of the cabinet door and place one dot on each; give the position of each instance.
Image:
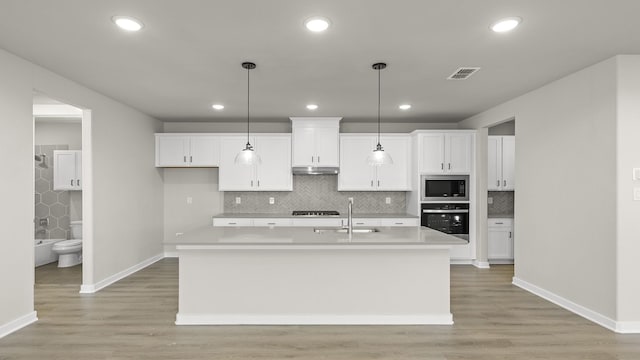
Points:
(64, 170)
(494, 163)
(458, 153)
(172, 151)
(327, 146)
(205, 151)
(432, 154)
(355, 172)
(274, 173)
(232, 177)
(78, 185)
(395, 177)
(304, 150)
(508, 162)
(500, 244)
(399, 222)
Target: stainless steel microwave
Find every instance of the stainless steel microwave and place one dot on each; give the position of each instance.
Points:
(444, 187)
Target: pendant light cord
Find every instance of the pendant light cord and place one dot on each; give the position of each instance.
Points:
(378, 106)
(248, 95)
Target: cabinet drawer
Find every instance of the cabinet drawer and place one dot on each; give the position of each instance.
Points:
(317, 222)
(500, 222)
(232, 222)
(365, 222)
(271, 222)
(399, 222)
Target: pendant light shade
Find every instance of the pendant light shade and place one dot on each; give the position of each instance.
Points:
(379, 157)
(248, 155)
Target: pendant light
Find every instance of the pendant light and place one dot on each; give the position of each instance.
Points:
(379, 156)
(248, 156)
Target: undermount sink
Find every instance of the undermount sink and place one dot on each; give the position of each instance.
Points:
(342, 230)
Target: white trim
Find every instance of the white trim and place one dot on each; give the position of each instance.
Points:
(628, 327)
(92, 288)
(481, 264)
(567, 304)
(501, 261)
(18, 324)
(314, 319)
(171, 254)
(461, 262)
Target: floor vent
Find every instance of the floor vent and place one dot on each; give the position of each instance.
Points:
(463, 73)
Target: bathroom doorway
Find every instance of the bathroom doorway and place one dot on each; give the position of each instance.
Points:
(58, 212)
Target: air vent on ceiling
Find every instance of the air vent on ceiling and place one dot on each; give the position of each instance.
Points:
(463, 73)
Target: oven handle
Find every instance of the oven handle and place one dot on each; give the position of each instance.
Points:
(464, 211)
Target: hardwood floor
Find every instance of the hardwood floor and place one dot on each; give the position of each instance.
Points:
(53, 275)
(133, 319)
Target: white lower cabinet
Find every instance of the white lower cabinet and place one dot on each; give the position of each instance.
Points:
(315, 222)
(500, 240)
(232, 222)
(271, 222)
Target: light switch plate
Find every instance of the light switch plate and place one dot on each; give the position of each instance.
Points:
(489, 200)
(238, 200)
(636, 194)
(387, 200)
(272, 201)
(189, 200)
(636, 173)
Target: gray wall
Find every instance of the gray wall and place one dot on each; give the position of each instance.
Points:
(565, 220)
(506, 128)
(127, 189)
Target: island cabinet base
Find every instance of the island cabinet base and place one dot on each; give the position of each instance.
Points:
(295, 285)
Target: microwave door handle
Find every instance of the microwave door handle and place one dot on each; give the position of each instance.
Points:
(445, 211)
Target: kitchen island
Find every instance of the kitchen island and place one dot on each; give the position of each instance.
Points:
(295, 275)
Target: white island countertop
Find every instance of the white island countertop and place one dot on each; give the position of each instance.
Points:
(279, 237)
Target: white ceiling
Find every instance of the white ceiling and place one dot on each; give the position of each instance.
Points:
(188, 55)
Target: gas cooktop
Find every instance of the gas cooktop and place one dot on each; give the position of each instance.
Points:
(315, 213)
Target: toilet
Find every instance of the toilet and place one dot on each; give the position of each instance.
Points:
(70, 251)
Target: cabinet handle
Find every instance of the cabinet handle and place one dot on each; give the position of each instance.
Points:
(509, 234)
(442, 166)
(449, 166)
(359, 223)
(378, 182)
(497, 182)
(251, 183)
(318, 158)
(505, 182)
(258, 183)
(190, 159)
(371, 183)
(312, 159)
(78, 182)
(71, 182)
(232, 223)
(399, 223)
(185, 158)
(499, 223)
(271, 223)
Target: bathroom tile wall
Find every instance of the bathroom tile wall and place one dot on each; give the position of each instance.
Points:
(315, 192)
(502, 204)
(50, 204)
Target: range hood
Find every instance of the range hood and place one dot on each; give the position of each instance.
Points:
(314, 170)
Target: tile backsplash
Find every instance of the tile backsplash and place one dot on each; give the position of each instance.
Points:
(50, 204)
(502, 204)
(315, 192)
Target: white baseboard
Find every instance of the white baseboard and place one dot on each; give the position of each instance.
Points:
(311, 319)
(481, 264)
(578, 309)
(501, 261)
(628, 327)
(93, 288)
(18, 324)
(461, 262)
(171, 254)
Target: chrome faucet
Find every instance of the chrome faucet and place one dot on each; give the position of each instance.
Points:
(350, 217)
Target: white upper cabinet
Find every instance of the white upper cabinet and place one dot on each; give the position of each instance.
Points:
(501, 163)
(187, 150)
(315, 141)
(357, 175)
(67, 170)
(446, 152)
(273, 174)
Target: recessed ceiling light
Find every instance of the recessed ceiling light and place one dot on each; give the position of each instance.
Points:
(127, 23)
(404, 107)
(317, 24)
(217, 106)
(506, 24)
(312, 106)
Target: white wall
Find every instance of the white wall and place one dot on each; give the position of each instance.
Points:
(127, 189)
(16, 192)
(628, 210)
(565, 222)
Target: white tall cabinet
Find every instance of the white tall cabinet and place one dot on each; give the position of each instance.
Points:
(67, 170)
(357, 175)
(315, 141)
(501, 163)
(272, 174)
